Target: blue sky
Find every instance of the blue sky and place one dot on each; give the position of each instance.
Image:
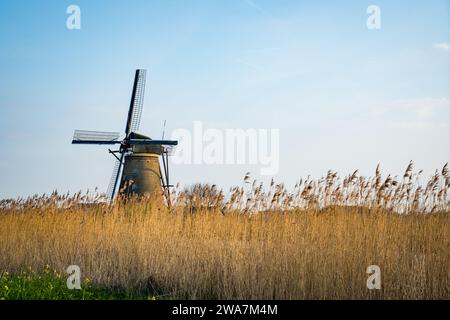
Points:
(343, 97)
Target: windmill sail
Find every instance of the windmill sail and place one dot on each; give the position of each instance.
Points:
(114, 178)
(95, 137)
(137, 102)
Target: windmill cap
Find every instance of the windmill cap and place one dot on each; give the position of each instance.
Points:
(135, 135)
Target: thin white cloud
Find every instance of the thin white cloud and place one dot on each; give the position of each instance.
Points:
(421, 105)
(427, 112)
(264, 50)
(248, 64)
(418, 125)
(443, 46)
(419, 113)
(254, 5)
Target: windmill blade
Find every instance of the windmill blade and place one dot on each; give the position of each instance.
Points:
(165, 180)
(95, 137)
(94, 142)
(114, 178)
(137, 102)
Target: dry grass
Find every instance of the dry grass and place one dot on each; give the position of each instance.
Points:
(211, 247)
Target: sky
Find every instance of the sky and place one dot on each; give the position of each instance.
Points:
(342, 96)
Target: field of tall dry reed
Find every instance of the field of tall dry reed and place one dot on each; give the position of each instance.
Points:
(255, 242)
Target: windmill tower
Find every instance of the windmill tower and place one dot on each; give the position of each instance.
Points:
(137, 169)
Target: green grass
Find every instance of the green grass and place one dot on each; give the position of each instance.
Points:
(51, 285)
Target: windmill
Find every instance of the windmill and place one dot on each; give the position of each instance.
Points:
(137, 168)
